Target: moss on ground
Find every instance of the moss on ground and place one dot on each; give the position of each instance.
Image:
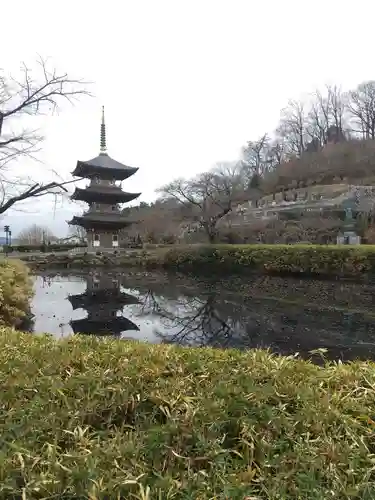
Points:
(96, 418)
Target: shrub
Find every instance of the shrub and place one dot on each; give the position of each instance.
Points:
(98, 418)
(26, 248)
(279, 259)
(168, 239)
(15, 292)
(231, 237)
(56, 247)
(7, 249)
(53, 247)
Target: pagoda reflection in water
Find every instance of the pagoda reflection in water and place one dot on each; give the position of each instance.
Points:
(102, 300)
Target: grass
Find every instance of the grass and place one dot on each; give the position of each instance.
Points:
(90, 418)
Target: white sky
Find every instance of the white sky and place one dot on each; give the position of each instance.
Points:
(185, 83)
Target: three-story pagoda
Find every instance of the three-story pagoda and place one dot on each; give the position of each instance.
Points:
(104, 220)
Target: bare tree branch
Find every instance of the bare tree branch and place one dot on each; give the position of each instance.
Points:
(77, 232)
(293, 128)
(35, 96)
(36, 92)
(35, 191)
(327, 118)
(361, 107)
(257, 157)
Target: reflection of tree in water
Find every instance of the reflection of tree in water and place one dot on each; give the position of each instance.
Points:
(214, 320)
(47, 281)
(194, 320)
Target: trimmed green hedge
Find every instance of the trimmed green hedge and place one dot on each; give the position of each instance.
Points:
(91, 418)
(324, 260)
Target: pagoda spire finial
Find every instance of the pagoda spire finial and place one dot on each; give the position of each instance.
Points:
(103, 141)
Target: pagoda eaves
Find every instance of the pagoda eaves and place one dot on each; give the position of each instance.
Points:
(103, 194)
(105, 166)
(112, 326)
(115, 298)
(95, 221)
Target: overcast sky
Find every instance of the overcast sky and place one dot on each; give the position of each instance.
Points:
(185, 83)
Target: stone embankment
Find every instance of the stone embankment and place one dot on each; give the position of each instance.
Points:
(78, 260)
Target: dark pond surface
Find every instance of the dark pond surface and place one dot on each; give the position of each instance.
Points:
(288, 316)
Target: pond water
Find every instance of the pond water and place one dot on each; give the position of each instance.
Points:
(288, 316)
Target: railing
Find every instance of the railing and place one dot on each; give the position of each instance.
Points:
(78, 250)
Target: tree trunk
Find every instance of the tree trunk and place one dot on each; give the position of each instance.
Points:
(212, 237)
(211, 233)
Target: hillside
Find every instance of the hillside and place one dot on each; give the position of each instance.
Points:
(350, 162)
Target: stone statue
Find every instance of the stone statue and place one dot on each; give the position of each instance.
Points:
(348, 214)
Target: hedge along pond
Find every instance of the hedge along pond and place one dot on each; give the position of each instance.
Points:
(305, 260)
(288, 260)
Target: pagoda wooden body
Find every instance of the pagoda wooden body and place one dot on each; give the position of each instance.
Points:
(104, 220)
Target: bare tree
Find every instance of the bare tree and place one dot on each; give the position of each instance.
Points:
(293, 128)
(35, 235)
(256, 157)
(318, 122)
(362, 109)
(208, 197)
(158, 222)
(37, 92)
(277, 152)
(326, 118)
(338, 109)
(77, 232)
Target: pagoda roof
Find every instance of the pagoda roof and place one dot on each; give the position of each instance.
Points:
(103, 164)
(101, 220)
(99, 193)
(104, 296)
(104, 326)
